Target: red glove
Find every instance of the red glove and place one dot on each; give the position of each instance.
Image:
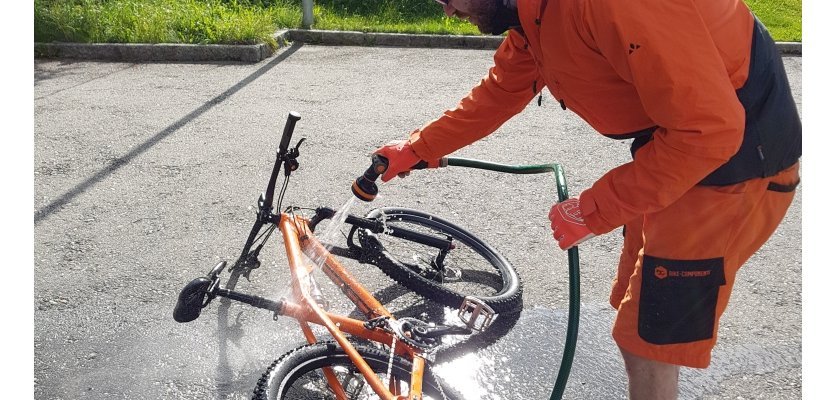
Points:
(568, 225)
(401, 158)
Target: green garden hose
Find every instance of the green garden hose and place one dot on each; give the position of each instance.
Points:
(573, 259)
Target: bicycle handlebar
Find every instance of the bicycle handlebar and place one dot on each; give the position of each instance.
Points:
(289, 126)
(280, 156)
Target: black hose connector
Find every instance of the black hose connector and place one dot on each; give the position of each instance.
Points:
(365, 186)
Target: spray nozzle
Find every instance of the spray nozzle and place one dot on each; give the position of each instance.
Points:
(365, 186)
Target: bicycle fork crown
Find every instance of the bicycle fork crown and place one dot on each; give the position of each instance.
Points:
(476, 314)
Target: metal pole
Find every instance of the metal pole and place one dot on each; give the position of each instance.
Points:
(307, 14)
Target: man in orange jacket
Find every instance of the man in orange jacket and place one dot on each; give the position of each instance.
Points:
(699, 87)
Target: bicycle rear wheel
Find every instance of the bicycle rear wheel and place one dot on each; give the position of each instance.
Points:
(471, 268)
(298, 375)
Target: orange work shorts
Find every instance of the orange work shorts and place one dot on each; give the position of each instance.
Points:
(678, 266)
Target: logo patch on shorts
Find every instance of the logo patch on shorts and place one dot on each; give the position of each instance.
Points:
(662, 272)
(678, 299)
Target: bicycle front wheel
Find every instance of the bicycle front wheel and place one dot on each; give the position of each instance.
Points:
(298, 374)
(470, 268)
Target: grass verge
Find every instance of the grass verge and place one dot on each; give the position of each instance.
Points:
(255, 21)
(781, 17)
(160, 21)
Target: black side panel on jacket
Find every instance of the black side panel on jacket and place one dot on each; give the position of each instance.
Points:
(772, 140)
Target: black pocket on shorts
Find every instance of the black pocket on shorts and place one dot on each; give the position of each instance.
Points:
(678, 299)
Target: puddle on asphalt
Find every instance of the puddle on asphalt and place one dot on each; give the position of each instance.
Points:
(518, 357)
(521, 359)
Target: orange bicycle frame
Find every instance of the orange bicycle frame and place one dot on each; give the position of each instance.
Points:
(298, 240)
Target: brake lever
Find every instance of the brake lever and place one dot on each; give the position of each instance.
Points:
(248, 263)
(290, 162)
(295, 150)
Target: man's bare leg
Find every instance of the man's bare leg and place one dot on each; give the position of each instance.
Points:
(650, 380)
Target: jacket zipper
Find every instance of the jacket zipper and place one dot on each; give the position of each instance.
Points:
(538, 22)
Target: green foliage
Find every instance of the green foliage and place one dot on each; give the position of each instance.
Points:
(155, 21)
(255, 21)
(401, 16)
(782, 17)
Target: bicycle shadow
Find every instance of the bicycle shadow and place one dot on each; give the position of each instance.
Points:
(227, 334)
(232, 378)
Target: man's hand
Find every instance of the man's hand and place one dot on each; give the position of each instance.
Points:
(401, 159)
(568, 225)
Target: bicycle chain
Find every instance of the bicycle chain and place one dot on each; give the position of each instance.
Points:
(391, 359)
(391, 362)
(440, 388)
(368, 255)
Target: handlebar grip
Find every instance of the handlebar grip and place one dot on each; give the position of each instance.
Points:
(289, 126)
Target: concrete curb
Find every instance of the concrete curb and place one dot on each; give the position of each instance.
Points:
(343, 38)
(790, 48)
(153, 52)
(258, 52)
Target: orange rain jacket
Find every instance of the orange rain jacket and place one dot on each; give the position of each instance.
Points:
(668, 73)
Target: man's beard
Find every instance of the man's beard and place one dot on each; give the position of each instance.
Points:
(495, 19)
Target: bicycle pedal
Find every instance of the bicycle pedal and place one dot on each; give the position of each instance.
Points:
(476, 314)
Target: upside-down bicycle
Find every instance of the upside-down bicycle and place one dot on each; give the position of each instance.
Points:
(378, 356)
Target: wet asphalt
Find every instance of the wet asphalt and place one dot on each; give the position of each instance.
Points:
(146, 175)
